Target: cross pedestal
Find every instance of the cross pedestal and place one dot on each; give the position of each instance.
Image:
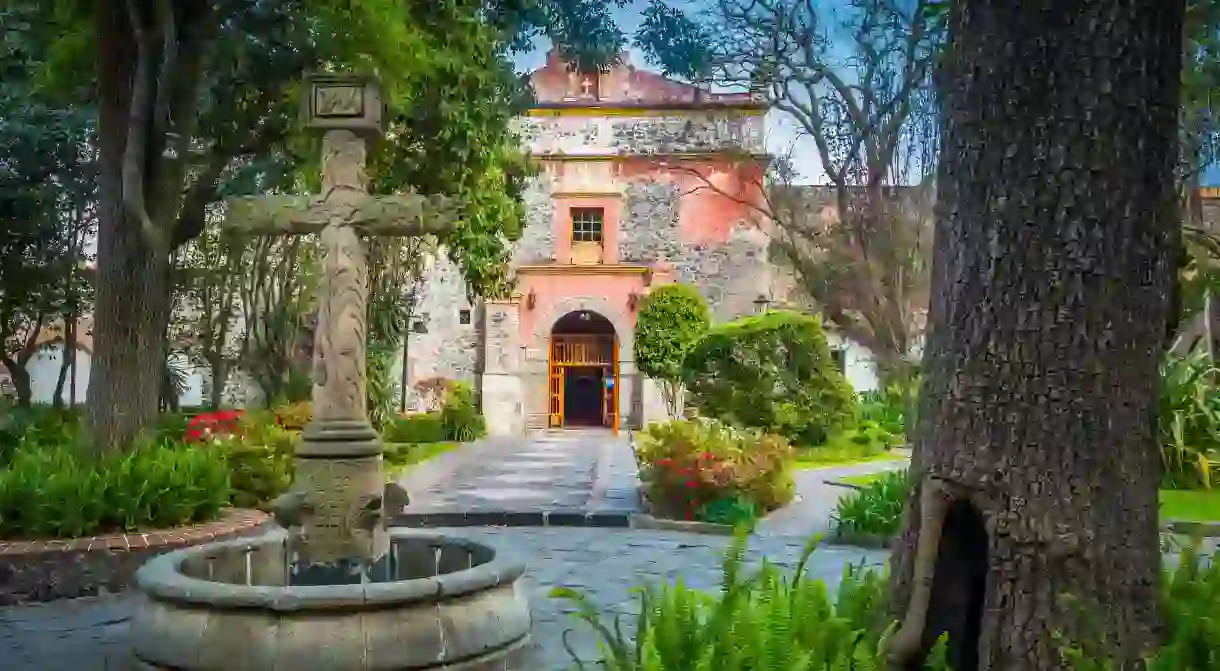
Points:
(335, 510)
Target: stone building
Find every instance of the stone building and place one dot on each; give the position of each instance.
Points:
(643, 181)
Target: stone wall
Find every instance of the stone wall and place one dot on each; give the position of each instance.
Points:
(690, 132)
(730, 276)
(449, 348)
(537, 243)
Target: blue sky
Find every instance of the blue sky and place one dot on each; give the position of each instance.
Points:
(782, 134)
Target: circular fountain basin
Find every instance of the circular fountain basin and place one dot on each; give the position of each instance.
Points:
(440, 602)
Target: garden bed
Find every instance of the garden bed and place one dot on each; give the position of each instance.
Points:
(44, 570)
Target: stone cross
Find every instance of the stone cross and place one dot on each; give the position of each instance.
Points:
(586, 87)
(336, 507)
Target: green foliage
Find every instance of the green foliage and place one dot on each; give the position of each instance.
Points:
(380, 385)
(1190, 606)
(875, 510)
(669, 323)
(772, 372)
(260, 459)
(55, 491)
(460, 415)
(762, 620)
(704, 469)
(892, 407)
(862, 442)
(36, 426)
(294, 416)
(423, 427)
(1189, 416)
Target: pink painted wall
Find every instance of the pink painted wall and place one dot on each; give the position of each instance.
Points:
(612, 208)
(706, 215)
(549, 287)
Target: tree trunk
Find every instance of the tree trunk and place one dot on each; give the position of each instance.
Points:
(131, 305)
(65, 363)
(220, 374)
(1036, 466)
(21, 382)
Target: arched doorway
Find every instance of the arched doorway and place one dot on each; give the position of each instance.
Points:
(583, 371)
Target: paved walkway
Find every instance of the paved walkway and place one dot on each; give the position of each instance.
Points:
(91, 634)
(809, 513)
(556, 472)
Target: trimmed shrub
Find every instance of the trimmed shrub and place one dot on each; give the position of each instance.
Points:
(772, 372)
(671, 320)
(863, 441)
(422, 427)
(706, 470)
(56, 491)
(260, 458)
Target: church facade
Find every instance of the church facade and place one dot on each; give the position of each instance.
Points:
(643, 181)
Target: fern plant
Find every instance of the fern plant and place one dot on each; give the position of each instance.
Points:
(766, 620)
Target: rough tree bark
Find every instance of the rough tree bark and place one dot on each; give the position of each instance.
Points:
(1036, 466)
(148, 78)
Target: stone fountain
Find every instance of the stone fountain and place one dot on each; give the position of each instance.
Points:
(333, 589)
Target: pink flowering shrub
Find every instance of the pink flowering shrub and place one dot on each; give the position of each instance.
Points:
(689, 467)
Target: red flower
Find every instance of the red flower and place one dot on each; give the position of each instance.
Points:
(692, 483)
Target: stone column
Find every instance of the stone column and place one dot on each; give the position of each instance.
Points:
(503, 405)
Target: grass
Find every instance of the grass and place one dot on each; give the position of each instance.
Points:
(401, 457)
(1191, 505)
(819, 457)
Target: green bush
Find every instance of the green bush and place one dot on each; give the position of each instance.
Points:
(1189, 416)
(460, 415)
(260, 459)
(423, 427)
(873, 511)
(37, 425)
(706, 470)
(764, 620)
(772, 372)
(890, 407)
(56, 491)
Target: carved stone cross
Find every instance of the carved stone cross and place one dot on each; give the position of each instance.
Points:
(337, 498)
(586, 87)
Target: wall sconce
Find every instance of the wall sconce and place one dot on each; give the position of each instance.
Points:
(633, 300)
(530, 300)
(648, 277)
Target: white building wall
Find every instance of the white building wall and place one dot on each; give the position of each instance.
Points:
(44, 371)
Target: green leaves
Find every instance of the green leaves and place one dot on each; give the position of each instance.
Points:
(671, 320)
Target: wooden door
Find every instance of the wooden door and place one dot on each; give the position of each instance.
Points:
(613, 395)
(555, 377)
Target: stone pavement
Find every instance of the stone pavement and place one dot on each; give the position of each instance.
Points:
(563, 472)
(810, 512)
(90, 634)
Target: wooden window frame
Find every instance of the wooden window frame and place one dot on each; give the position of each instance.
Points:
(577, 234)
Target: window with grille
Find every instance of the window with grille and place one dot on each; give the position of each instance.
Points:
(587, 224)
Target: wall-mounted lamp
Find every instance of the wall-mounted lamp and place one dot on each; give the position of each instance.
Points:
(633, 300)
(648, 277)
(531, 299)
(761, 303)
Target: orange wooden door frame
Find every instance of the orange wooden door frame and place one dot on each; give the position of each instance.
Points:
(568, 351)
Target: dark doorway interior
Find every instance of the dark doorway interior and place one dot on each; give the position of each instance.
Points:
(582, 395)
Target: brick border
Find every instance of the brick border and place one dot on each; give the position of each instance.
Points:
(45, 570)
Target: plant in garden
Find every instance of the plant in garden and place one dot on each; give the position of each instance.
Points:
(1189, 419)
(294, 416)
(671, 320)
(705, 469)
(207, 426)
(58, 491)
(420, 427)
(875, 510)
(892, 407)
(260, 459)
(460, 415)
(864, 441)
(765, 619)
(772, 372)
